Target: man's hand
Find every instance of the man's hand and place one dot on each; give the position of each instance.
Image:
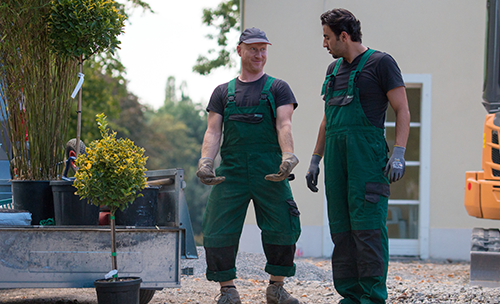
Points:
(313, 172)
(395, 168)
(288, 162)
(206, 172)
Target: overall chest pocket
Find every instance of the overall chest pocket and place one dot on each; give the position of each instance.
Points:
(252, 118)
(340, 100)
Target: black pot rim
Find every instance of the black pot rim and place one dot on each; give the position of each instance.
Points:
(61, 183)
(106, 283)
(29, 181)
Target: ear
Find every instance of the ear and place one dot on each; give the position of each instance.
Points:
(344, 36)
(238, 49)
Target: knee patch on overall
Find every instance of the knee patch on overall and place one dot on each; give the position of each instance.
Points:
(280, 259)
(221, 263)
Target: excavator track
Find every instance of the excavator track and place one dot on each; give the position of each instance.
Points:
(485, 257)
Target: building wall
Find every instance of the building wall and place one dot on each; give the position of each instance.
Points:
(444, 39)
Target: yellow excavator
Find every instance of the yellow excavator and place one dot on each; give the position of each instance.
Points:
(482, 188)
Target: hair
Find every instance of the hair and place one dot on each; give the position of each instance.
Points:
(341, 20)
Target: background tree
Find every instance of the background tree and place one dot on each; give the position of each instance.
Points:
(179, 126)
(225, 19)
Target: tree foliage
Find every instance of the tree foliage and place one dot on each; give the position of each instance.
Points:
(224, 18)
(82, 28)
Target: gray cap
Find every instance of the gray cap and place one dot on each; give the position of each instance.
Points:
(253, 35)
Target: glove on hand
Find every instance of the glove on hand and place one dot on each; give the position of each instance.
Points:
(289, 161)
(313, 172)
(206, 172)
(395, 168)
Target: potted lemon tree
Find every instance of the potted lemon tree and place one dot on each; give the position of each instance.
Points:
(112, 173)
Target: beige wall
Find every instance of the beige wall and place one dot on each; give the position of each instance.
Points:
(442, 38)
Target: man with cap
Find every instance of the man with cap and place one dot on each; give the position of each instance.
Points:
(254, 113)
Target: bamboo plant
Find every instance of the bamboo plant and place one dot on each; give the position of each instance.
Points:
(35, 84)
(112, 173)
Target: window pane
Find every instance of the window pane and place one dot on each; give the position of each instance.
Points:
(406, 188)
(412, 152)
(414, 96)
(402, 221)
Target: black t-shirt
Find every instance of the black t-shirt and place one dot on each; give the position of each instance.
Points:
(379, 75)
(247, 94)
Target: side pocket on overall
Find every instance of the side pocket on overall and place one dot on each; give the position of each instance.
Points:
(294, 215)
(373, 191)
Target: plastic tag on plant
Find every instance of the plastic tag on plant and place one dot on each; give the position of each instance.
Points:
(110, 274)
(78, 85)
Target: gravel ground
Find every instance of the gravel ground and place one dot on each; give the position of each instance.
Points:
(409, 281)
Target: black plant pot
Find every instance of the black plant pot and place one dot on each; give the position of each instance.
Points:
(123, 291)
(69, 209)
(35, 197)
(142, 212)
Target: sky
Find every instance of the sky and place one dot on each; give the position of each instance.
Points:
(167, 43)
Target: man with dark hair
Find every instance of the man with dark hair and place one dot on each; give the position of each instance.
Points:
(255, 111)
(357, 90)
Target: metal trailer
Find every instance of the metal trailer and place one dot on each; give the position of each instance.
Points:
(75, 256)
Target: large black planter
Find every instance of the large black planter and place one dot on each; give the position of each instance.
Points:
(142, 212)
(123, 291)
(69, 209)
(35, 197)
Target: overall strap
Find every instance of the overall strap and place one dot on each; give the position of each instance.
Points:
(331, 76)
(364, 59)
(266, 95)
(337, 66)
(354, 74)
(231, 90)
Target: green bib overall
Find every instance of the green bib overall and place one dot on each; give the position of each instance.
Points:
(250, 150)
(357, 192)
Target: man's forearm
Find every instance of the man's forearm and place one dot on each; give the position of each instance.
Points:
(211, 144)
(284, 127)
(285, 138)
(402, 128)
(319, 149)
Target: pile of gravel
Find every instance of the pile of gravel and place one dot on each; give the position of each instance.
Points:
(251, 266)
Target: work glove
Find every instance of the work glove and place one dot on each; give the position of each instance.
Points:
(313, 172)
(395, 168)
(288, 162)
(206, 172)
